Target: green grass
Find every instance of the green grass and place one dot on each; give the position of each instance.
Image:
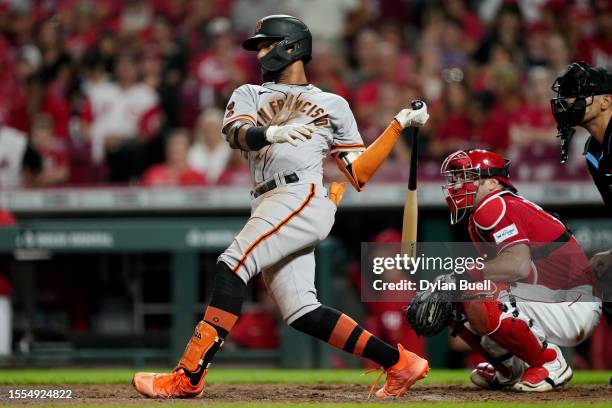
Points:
(248, 376)
(349, 405)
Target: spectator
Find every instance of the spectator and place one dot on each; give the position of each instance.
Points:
(536, 38)
(173, 55)
(507, 103)
(472, 29)
(13, 148)
(222, 67)
(175, 171)
(209, 153)
(597, 49)
(243, 18)
(456, 130)
(134, 18)
(558, 55)
(55, 76)
(505, 32)
(237, 171)
(533, 123)
(331, 21)
(55, 170)
(121, 112)
(325, 70)
(366, 57)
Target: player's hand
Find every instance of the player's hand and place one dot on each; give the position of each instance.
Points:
(602, 263)
(413, 118)
(289, 133)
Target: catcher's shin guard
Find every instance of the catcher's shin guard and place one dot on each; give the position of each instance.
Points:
(200, 350)
(475, 342)
(547, 367)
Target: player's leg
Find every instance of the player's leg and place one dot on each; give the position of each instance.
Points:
(291, 284)
(512, 330)
(502, 368)
(282, 223)
(187, 378)
(563, 324)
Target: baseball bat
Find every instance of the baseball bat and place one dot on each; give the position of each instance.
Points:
(411, 206)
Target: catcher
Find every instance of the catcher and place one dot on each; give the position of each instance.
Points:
(545, 297)
(286, 127)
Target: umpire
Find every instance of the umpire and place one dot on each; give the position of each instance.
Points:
(583, 97)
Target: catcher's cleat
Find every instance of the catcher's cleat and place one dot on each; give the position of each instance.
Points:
(409, 369)
(487, 377)
(554, 373)
(172, 385)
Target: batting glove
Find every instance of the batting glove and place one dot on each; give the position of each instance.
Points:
(289, 133)
(413, 118)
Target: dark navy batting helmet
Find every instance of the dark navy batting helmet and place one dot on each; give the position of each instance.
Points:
(293, 38)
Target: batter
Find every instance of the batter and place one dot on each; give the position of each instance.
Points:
(286, 127)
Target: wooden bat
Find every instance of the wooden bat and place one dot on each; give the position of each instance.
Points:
(411, 206)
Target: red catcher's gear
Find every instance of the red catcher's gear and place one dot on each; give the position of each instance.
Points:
(463, 170)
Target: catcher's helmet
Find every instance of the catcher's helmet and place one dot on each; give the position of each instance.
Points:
(291, 34)
(462, 169)
(579, 82)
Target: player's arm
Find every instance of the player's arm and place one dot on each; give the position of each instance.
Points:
(512, 264)
(359, 166)
(248, 137)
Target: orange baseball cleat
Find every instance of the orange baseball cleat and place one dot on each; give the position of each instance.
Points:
(172, 385)
(409, 369)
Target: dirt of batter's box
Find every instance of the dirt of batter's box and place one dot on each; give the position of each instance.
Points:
(318, 393)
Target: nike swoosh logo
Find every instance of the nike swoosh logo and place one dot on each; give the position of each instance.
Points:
(263, 92)
(459, 201)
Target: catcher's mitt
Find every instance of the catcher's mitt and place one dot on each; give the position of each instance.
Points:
(431, 311)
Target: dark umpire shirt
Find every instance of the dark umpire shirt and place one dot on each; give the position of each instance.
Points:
(599, 162)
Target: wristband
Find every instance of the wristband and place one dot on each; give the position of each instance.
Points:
(256, 137)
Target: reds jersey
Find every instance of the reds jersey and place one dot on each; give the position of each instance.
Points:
(504, 219)
(280, 104)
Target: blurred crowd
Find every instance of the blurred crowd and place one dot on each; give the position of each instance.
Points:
(133, 91)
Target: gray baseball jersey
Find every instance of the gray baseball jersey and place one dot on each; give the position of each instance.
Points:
(287, 222)
(279, 104)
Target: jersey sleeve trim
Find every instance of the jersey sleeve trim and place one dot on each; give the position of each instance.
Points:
(509, 244)
(496, 221)
(245, 117)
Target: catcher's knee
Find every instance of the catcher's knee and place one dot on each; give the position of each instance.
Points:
(483, 317)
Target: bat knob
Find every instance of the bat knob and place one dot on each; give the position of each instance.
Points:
(416, 105)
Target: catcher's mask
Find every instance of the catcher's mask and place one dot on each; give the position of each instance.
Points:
(294, 41)
(574, 91)
(463, 171)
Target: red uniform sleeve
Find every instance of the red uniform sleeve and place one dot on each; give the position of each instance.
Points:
(501, 223)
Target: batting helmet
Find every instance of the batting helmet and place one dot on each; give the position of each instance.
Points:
(465, 167)
(294, 41)
(579, 82)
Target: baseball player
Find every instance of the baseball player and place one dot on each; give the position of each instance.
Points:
(546, 297)
(286, 127)
(584, 98)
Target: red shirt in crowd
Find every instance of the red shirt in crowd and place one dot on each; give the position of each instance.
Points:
(458, 127)
(596, 51)
(163, 176)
